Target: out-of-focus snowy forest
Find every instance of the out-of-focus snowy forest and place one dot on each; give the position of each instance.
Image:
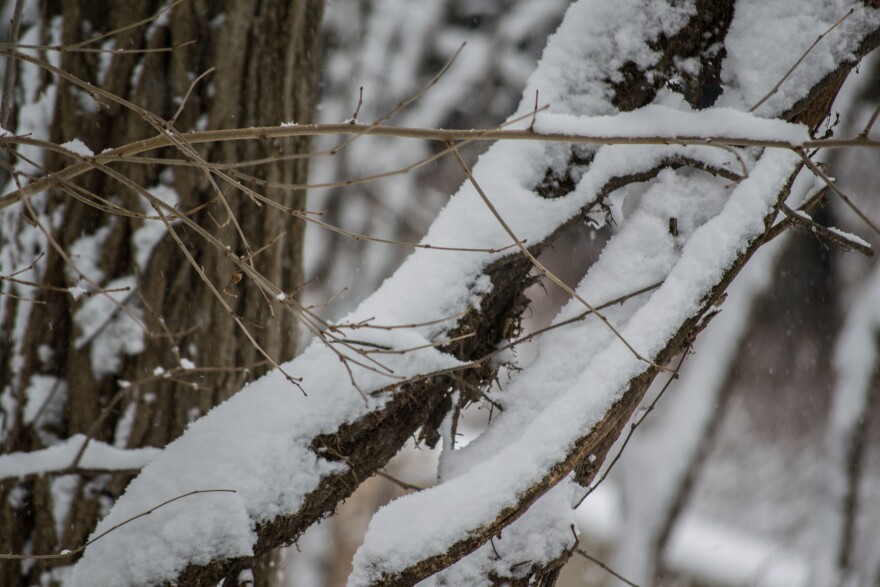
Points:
(757, 464)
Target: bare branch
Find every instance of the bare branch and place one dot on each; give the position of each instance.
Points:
(806, 224)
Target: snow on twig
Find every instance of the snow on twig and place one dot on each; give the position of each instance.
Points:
(58, 459)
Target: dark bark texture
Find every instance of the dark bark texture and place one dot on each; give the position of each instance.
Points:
(266, 55)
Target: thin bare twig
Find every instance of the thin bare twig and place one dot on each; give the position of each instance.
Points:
(634, 426)
(871, 121)
(604, 567)
(189, 92)
(834, 188)
(807, 224)
(591, 558)
(534, 113)
(784, 224)
(368, 323)
(121, 154)
(435, 344)
(402, 484)
(67, 49)
(357, 110)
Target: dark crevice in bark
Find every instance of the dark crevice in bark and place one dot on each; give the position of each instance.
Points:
(702, 38)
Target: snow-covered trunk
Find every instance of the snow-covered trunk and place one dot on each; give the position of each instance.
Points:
(107, 331)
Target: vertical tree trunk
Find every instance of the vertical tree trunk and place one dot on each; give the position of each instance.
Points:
(62, 373)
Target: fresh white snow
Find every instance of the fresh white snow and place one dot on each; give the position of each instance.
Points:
(98, 455)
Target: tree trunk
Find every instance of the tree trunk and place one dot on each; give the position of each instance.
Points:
(85, 366)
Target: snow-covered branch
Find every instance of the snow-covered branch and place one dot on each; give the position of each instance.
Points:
(647, 95)
(652, 125)
(98, 457)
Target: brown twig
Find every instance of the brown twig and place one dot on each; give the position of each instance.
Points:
(604, 567)
(189, 92)
(834, 188)
(634, 426)
(402, 484)
(121, 154)
(357, 110)
(534, 113)
(807, 224)
(68, 49)
(871, 121)
(784, 224)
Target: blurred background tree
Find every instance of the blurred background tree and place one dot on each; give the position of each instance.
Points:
(136, 373)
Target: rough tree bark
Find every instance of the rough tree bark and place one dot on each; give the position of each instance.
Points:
(266, 55)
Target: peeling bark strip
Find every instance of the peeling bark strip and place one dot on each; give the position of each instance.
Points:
(266, 56)
(366, 438)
